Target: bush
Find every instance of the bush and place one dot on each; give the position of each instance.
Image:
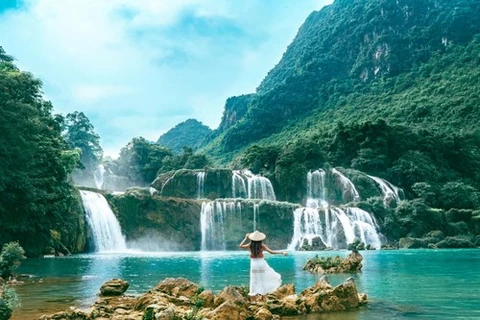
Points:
(10, 258)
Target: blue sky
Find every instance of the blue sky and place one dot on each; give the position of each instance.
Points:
(139, 67)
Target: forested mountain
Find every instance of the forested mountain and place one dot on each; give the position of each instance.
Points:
(190, 133)
(355, 59)
(388, 87)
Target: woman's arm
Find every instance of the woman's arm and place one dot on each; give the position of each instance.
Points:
(242, 244)
(285, 253)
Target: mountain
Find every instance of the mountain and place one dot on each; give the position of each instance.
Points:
(399, 60)
(190, 133)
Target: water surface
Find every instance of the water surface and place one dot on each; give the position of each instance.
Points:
(402, 284)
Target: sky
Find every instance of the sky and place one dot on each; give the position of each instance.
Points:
(139, 67)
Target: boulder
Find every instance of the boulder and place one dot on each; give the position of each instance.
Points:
(229, 310)
(208, 298)
(114, 287)
(231, 294)
(177, 287)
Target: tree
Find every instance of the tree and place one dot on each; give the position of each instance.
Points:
(36, 194)
(10, 257)
(140, 160)
(80, 133)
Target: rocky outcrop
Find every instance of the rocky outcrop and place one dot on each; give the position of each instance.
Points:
(157, 223)
(182, 299)
(182, 183)
(114, 287)
(352, 263)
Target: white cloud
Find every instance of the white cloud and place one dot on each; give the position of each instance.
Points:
(138, 67)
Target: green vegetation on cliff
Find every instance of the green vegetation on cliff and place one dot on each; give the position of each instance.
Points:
(36, 193)
(190, 134)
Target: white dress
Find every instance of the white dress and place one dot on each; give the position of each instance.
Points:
(263, 279)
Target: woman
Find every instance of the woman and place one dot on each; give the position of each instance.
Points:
(263, 279)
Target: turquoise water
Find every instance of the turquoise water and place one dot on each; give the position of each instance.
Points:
(403, 284)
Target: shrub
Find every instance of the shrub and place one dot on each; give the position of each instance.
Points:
(10, 257)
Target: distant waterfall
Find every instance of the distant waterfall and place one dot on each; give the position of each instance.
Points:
(107, 234)
(390, 192)
(239, 189)
(316, 189)
(201, 185)
(322, 225)
(246, 184)
(333, 227)
(99, 176)
(255, 215)
(349, 193)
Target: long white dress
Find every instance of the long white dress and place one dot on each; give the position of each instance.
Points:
(263, 279)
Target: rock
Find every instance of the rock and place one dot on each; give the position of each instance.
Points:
(283, 291)
(228, 311)
(263, 314)
(231, 294)
(323, 298)
(362, 298)
(352, 263)
(179, 299)
(208, 298)
(114, 287)
(177, 287)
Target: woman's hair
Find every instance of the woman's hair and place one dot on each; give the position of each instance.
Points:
(256, 250)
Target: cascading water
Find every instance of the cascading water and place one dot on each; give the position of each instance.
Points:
(246, 184)
(107, 234)
(333, 228)
(390, 192)
(316, 190)
(239, 189)
(99, 175)
(201, 184)
(212, 223)
(322, 225)
(349, 192)
(255, 215)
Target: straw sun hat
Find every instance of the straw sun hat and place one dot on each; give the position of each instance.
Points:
(257, 236)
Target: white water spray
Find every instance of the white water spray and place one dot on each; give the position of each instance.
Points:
(107, 234)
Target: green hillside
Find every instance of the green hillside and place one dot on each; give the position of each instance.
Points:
(190, 133)
(408, 62)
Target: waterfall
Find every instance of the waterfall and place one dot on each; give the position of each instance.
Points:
(389, 191)
(321, 225)
(256, 187)
(98, 176)
(255, 215)
(333, 228)
(213, 217)
(316, 189)
(201, 184)
(239, 190)
(349, 191)
(107, 234)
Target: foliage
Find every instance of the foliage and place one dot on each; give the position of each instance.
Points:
(140, 160)
(9, 295)
(79, 133)
(36, 194)
(10, 257)
(350, 47)
(190, 133)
